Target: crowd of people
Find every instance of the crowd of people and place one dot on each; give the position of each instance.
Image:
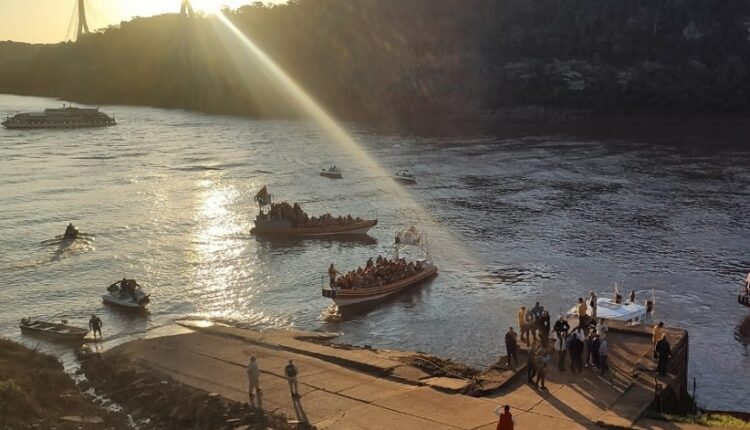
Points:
(300, 218)
(381, 271)
(587, 344)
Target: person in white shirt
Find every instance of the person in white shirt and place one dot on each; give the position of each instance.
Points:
(253, 377)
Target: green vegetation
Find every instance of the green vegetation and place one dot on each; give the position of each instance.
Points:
(387, 60)
(708, 420)
(35, 391)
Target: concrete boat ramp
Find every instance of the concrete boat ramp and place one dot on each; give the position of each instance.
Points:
(359, 388)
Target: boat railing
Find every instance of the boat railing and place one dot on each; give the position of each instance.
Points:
(325, 282)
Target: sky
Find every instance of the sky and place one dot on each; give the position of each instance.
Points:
(49, 21)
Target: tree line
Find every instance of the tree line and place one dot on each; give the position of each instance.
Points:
(389, 60)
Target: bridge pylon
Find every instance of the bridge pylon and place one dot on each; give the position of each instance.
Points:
(83, 27)
(186, 8)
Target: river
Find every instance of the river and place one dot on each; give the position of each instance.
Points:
(168, 196)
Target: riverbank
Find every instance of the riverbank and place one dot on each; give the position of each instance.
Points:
(35, 393)
(344, 386)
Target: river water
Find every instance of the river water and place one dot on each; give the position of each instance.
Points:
(168, 196)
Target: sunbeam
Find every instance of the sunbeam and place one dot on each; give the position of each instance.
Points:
(308, 107)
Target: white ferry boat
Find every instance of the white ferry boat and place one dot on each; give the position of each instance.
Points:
(65, 117)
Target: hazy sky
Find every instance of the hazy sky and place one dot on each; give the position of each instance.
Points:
(50, 20)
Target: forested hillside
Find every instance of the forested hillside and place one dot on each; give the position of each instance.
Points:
(392, 60)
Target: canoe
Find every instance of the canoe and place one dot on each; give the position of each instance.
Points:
(53, 330)
(285, 228)
(345, 297)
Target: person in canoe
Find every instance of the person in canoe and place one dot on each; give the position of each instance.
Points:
(71, 232)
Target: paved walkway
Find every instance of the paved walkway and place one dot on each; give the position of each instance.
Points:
(335, 396)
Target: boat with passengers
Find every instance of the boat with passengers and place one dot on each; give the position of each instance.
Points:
(65, 117)
(382, 277)
(404, 176)
(284, 219)
(126, 294)
(616, 308)
(332, 172)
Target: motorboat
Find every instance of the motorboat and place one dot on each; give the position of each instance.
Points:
(420, 271)
(289, 220)
(405, 176)
(127, 294)
(65, 117)
(616, 308)
(60, 331)
(332, 172)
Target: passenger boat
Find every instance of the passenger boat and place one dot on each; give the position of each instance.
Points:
(129, 296)
(60, 331)
(283, 219)
(65, 117)
(617, 309)
(351, 296)
(347, 297)
(405, 176)
(332, 172)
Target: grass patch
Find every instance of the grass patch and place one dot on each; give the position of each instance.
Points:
(708, 420)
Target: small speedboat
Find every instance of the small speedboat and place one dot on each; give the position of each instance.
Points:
(332, 172)
(405, 176)
(59, 331)
(127, 294)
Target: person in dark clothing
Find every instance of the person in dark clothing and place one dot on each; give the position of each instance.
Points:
(595, 344)
(537, 312)
(511, 345)
(531, 363)
(95, 324)
(544, 328)
(575, 348)
(562, 327)
(589, 348)
(663, 352)
(561, 347)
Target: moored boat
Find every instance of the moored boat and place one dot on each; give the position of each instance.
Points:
(405, 176)
(283, 219)
(127, 294)
(60, 331)
(332, 172)
(618, 309)
(65, 117)
(384, 277)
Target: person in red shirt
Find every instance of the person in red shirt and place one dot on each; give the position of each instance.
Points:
(506, 419)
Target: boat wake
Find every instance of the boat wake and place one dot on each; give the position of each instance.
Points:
(331, 314)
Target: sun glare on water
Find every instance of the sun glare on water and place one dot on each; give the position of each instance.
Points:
(255, 57)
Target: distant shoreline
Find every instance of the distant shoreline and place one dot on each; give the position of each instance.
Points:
(510, 122)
